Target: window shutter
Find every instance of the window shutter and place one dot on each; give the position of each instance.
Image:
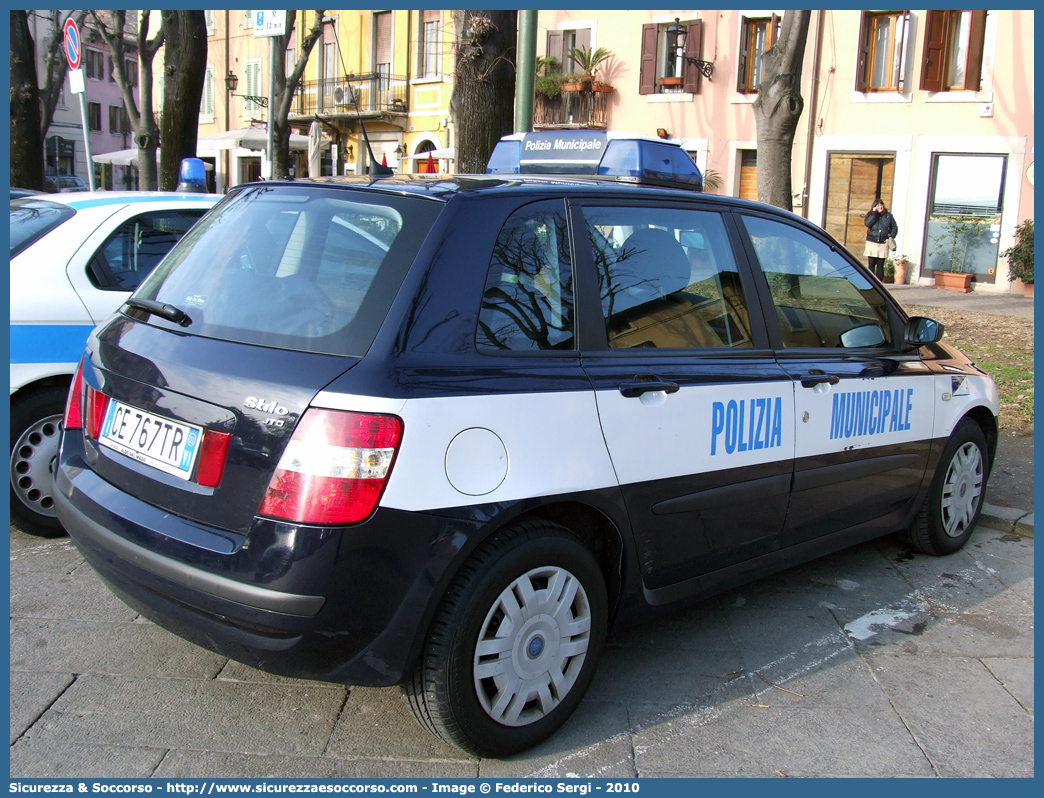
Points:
(744, 55)
(554, 47)
(976, 44)
(933, 59)
(383, 49)
(862, 76)
(207, 104)
(693, 49)
(583, 38)
(902, 34)
(773, 32)
(647, 74)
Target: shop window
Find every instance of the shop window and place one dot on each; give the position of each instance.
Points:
(953, 48)
(666, 50)
(882, 51)
(756, 36)
(964, 216)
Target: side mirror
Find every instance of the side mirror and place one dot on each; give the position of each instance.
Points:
(863, 336)
(921, 331)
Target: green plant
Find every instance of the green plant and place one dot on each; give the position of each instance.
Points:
(958, 236)
(1020, 256)
(889, 269)
(549, 84)
(589, 60)
(711, 179)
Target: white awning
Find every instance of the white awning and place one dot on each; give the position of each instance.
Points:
(120, 157)
(250, 138)
(444, 154)
(130, 158)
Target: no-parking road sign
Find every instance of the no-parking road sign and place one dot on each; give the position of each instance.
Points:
(72, 43)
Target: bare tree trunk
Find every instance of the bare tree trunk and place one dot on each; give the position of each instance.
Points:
(778, 109)
(142, 117)
(483, 102)
(185, 72)
(27, 154)
(285, 88)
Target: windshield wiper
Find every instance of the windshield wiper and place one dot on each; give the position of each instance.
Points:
(161, 309)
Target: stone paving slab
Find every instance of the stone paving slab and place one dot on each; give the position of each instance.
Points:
(773, 676)
(960, 715)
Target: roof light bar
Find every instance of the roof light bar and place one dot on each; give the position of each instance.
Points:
(624, 156)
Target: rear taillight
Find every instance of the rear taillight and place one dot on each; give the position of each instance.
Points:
(74, 404)
(334, 468)
(96, 402)
(80, 395)
(212, 454)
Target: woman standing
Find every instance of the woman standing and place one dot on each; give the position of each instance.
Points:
(881, 226)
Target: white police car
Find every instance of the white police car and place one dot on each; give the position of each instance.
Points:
(75, 257)
(449, 432)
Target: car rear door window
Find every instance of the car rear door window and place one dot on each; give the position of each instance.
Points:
(527, 302)
(668, 278)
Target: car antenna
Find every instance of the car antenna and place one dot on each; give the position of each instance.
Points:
(375, 169)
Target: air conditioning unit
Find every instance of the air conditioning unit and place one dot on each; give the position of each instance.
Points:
(342, 95)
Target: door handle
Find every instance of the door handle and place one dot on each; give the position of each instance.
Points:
(645, 383)
(817, 377)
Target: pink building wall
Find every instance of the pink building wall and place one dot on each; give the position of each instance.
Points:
(717, 123)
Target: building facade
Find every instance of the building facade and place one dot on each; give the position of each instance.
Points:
(107, 121)
(931, 110)
(385, 72)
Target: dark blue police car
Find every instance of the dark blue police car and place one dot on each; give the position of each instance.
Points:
(449, 432)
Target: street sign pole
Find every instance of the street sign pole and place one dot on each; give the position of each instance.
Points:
(270, 24)
(72, 45)
(87, 138)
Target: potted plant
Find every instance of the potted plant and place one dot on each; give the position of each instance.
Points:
(953, 245)
(1020, 256)
(889, 271)
(588, 61)
(900, 267)
(549, 78)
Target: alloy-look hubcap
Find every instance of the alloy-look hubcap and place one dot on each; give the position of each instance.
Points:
(532, 645)
(32, 465)
(962, 490)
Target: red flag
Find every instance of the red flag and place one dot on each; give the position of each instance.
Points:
(384, 160)
(431, 164)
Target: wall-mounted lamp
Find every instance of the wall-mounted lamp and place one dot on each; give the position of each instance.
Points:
(232, 83)
(676, 35)
(351, 152)
(400, 150)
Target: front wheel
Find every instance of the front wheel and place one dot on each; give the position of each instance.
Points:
(515, 643)
(951, 509)
(36, 428)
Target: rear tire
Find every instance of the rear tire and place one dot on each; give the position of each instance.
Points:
(951, 509)
(515, 643)
(36, 428)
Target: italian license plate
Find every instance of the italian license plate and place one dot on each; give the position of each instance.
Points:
(151, 439)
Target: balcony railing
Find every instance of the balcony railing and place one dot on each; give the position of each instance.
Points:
(374, 93)
(581, 109)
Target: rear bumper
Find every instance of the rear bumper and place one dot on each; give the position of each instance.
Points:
(348, 605)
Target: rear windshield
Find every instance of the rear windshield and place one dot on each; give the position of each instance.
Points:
(294, 267)
(32, 219)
